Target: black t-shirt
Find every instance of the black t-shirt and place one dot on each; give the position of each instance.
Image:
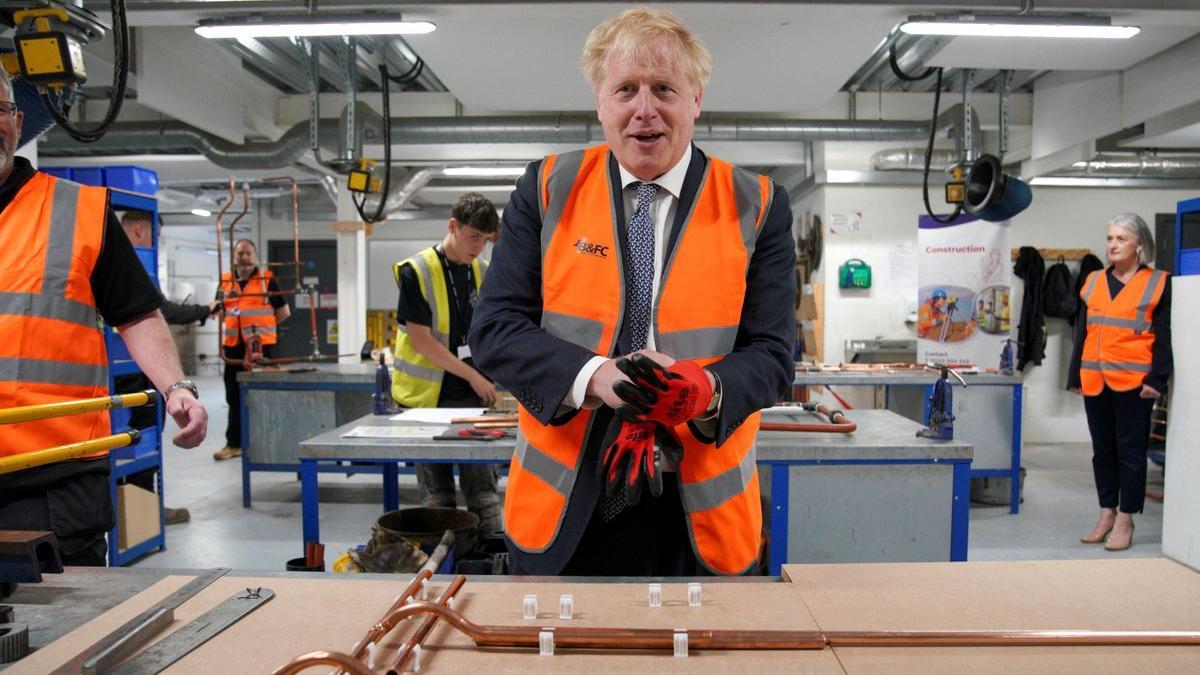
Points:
(122, 288)
(460, 287)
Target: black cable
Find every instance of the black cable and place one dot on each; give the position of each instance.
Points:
(120, 32)
(387, 153)
(895, 64)
(937, 100)
(411, 74)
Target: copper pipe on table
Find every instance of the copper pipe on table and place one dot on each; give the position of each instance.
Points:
(1011, 638)
(483, 418)
(376, 633)
(44, 411)
(323, 657)
(418, 637)
(839, 423)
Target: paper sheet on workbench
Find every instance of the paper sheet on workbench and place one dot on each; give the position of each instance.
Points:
(436, 415)
(395, 432)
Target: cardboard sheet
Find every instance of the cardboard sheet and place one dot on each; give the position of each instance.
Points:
(324, 613)
(1125, 594)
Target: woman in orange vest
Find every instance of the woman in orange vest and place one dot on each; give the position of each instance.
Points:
(1121, 363)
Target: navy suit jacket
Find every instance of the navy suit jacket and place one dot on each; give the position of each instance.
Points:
(511, 348)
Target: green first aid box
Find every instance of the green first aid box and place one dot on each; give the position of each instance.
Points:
(854, 273)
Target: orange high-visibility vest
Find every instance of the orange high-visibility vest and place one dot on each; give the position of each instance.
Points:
(1120, 338)
(248, 311)
(51, 344)
(696, 318)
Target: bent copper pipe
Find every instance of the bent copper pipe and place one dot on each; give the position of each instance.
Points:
(839, 423)
(376, 633)
(418, 637)
(322, 657)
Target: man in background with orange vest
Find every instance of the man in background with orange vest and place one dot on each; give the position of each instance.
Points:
(254, 308)
(645, 277)
(65, 264)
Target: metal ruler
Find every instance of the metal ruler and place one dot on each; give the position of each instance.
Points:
(138, 630)
(178, 644)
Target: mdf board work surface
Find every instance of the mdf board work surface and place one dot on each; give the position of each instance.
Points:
(1126, 594)
(332, 612)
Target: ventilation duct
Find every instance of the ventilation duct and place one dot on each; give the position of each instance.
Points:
(1132, 166)
(912, 159)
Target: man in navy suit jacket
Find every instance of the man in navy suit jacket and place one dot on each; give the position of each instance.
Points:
(647, 71)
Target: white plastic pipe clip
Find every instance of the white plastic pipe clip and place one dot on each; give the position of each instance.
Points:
(423, 591)
(694, 594)
(681, 642)
(414, 666)
(546, 642)
(566, 606)
(655, 595)
(371, 649)
(530, 607)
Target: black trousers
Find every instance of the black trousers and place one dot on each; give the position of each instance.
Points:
(1120, 426)
(649, 538)
(70, 499)
(233, 394)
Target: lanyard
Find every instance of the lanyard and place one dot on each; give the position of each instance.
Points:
(449, 274)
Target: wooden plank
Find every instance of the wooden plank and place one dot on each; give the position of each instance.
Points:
(1051, 255)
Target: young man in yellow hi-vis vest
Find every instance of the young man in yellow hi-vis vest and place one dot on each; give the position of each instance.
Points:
(439, 287)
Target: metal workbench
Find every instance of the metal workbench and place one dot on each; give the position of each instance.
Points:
(282, 407)
(987, 413)
(879, 494)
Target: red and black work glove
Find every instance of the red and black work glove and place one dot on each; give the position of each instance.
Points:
(669, 396)
(630, 458)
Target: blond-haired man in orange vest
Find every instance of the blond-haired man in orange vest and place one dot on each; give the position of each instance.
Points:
(642, 246)
(64, 264)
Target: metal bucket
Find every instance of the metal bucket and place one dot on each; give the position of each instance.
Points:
(428, 524)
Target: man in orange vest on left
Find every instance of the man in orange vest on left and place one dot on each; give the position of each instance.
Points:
(65, 263)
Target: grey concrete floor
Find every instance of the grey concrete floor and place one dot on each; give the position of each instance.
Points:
(1060, 506)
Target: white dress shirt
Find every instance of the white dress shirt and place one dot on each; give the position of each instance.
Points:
(666, 199)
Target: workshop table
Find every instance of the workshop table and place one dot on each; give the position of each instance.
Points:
(281, 407)
(331, 611)
(878, 494)
(985, 415)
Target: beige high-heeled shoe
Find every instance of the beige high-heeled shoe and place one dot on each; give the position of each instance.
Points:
(1120, 545)
(1095, 536)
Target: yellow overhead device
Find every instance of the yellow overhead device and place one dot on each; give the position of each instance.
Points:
(361, 180)
(49, 52)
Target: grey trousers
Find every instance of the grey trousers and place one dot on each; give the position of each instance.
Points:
(478, 485)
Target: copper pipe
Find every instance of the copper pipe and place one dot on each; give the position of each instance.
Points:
(418, 636)
(376, 633)
(483, 418)
(238, 217)
(839, 423)
(322, 657)
(1008, 638)
(220, 214)
(494, 425)
(45, 411)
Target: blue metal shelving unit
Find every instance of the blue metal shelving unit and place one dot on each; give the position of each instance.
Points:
(1187, 260)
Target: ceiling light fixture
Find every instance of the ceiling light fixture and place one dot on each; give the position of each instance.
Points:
(311, 25)
(1018, 25)
(484, 171)
(203, 213)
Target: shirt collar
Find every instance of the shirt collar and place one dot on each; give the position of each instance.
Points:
(671, 181)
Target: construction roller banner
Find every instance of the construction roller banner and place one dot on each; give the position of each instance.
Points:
(964, 291)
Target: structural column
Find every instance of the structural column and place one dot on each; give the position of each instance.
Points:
(352, 236)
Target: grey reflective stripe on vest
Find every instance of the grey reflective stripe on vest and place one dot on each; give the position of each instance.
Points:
(1087, 292)
(1111, 365)
(54, 372)
(1143, 315)
(749, 207)
(421, 267)
(558, 188)
(545, 467)
(47, 307)
(719, 489)
(698, 343)
(1133, 324)
(574, 329)
(256, 312)
(431, 374)
(60, 244)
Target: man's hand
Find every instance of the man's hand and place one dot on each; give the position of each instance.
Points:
(600, 387)
(190, 416)
(214, 307)
(484, 389)
(630, 458)
(669, 396)
(1149, 392)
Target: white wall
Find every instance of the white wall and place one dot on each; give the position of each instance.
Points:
(1058, 217)
(1181, 537)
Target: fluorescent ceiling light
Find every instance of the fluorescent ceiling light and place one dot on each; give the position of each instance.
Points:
(484, 171)
(203, 213)
(1012, 25)
(311, 25)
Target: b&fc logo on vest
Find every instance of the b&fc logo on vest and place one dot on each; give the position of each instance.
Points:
(587, 247)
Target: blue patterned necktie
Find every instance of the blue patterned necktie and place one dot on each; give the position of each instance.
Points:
(639, 282)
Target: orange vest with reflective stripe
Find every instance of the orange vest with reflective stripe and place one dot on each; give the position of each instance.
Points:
(248, 311)
(696, 318)
(1120, 339)
(51, 345)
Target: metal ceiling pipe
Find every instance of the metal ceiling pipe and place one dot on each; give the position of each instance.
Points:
(398, 199)
(911, 159)
(1118, 166)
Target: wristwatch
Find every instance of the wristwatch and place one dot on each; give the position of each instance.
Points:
(182, 384)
